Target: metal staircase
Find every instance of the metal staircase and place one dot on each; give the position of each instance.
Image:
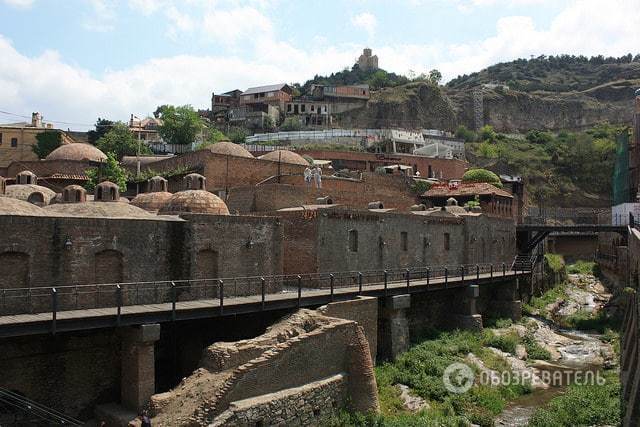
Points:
(35, 413)
(524, 262)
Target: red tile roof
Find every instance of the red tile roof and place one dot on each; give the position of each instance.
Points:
(465, 190)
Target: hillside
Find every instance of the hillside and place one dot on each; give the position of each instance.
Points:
(562, 73)
(553, 93)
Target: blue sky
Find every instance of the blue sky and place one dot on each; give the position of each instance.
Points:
(75, 60)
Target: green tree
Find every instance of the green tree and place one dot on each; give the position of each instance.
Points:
(215, 135)
(291, 124)
(482, 175)
(120, 142)
(463, 133)
(238, 135)
(47, 142)
(487, 133)
(435, 76)
(180, 125)
(110, 170)
(102, 127)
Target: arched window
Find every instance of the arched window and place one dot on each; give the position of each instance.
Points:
(36, 198)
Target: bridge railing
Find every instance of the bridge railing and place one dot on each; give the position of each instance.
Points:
(258, 289)
(567, 216)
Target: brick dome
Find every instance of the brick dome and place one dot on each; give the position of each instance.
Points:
(98, 210)
(11, 206)
(151, 202)
(230, 149)
(194, 201)
(77, 151)
(32, 193)
(285, 156)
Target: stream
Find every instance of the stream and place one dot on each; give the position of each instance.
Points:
(571, 350)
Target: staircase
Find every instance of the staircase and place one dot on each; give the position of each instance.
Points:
(33, 411)
(524, 262)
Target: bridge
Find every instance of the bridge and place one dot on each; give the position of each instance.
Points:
(44, 310)
(535, 228)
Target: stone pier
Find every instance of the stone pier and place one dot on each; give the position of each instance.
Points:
(468, 317)
(506, 301)
(138, 365)
(393, 335)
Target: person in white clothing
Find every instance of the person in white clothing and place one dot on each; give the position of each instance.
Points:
(317, 174)
(307, 176)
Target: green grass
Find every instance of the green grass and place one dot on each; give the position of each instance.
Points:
(421, 369)
(555, 262)
(540, 303)
(506, 342)
(581, 267)
(583, 405)
(535, 350)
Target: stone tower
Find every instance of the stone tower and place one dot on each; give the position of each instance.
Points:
(368, 61)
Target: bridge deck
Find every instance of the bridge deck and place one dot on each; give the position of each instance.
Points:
(74, 320)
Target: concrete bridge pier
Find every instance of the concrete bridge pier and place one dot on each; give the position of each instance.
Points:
(138, 365)
(468, 317)
(506, 301)
(393, 335)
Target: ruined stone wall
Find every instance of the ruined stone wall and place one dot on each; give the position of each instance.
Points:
(312, 404)
(271, 368)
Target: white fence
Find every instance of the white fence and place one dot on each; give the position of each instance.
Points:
(317, 135)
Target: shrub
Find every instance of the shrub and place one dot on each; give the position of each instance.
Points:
(506, 342)
(463, 133)
(535, 350)
(482, 175)
(555, 262)
(581, 267)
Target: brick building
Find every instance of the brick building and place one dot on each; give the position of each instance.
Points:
(277, 94)
(331, 238)
(493, 200)
(427, 166)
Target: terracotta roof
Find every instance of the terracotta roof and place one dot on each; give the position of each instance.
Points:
(466, 190)
(77, 151)
(194, 201)
(11, 206)
(230, 149)
(151, 202)
(79, 177)
(285, 156)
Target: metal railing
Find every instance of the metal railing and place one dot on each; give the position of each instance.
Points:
(254, 289)
(567, 216)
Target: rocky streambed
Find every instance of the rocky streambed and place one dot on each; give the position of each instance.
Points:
(573, 354)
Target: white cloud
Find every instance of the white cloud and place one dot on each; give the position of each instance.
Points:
(234, 25)
(146, 7)
(22, 4)
(365, 21)
(102, 17)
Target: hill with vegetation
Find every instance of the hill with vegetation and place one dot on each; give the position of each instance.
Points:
(563, 73)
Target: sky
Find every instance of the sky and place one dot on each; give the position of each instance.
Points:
(77, 60)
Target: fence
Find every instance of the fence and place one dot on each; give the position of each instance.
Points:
(568, 216)
(251, 289)
(317, 135)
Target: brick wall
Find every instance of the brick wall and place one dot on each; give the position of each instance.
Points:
(143, 250)
(292, 191)
(448, 168)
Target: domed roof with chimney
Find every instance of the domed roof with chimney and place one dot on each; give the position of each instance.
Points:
(155, 198)
(11, 206)
(31, 193)
(195, 199)
(77, 151)
(228, 148)
(285, 156)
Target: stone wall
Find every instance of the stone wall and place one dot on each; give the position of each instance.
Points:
(319, 240)
(48, 251)
(70, 372)
(271, 368)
